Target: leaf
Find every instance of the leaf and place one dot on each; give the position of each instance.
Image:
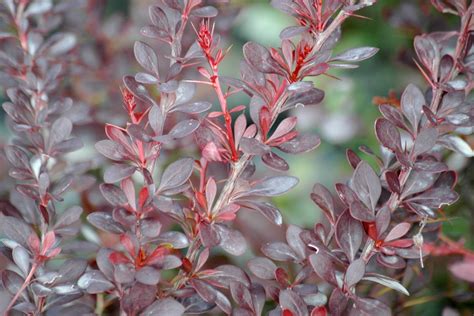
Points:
(275, 162)
(289, 300)
(349, 234)
(241, 294)
(463, 269)
(387, 134)
(292, 31)
(425, 141)
(231, 240)
(15, 230)
(164, 307)
(193, 108)
(111, 150)
(206, 291)
(360, 212)
(311, 97)
(386, 281)
(259, 57)
(64, 43)
(148, 275)
(279, 251)
(105, 222)
(273, 186)
(118, 172)
(356, 54)
(354, 273)
(263, 268)
(182, 129)
(323, 198)
(146, 57)
(300, 144)
(252, 146)
(323, 266)
(456, 143)
(176, 174)
(412, 102)
(68, 217)
(266, 209)
(94, 282)
(138, 297)
(205, 12)
(373, 307)
(366, 184)
(294, 240)
(21, 258)
(60, 130)
(398, 231)
(418, 182)
(113, 194)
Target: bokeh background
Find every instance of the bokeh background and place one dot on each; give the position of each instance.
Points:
(344, 120)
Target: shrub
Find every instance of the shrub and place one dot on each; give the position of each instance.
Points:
(170, 218)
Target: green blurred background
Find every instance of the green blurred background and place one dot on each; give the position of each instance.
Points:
(346, 117)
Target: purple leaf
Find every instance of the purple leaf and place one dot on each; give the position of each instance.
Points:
(294, 240)
(263, 268)
(273, 186)
(176, 174)
(94, 282)
(266, 209)
(387, 134)
(398, 231)
(373, 307)
(354, 273)
(349, 234)
(231, 240)
(412, 105)
(113, 194)
(193, 108)
(275, 162)
(279, 251)
(323, 266)
(105, 222)
(205, 12)
(146, 57)
(366, 184)
(289, 300)
(111, 150)
(386, 281)
(148, 275)
(164, 307)
(252, 146)
(118, 172)
(259, 57)
(360, 212)
(292, 31)
(425, 141)
(356, 54)
(323, 198)
(15, 230)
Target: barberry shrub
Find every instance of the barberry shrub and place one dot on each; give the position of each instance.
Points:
(169, 216)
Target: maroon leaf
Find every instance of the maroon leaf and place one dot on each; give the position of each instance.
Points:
(176, 174)
(355, 272)
(323, 198)
(349, 234)
(262, 267)
(279, 251)
(387, 134)
(412, 105)
(164, 307)
(366, 184)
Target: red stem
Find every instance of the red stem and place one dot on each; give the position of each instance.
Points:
(22, 288)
